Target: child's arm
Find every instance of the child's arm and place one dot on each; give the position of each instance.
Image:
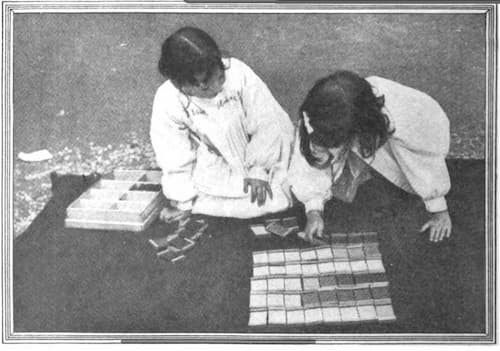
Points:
(174, 152)
(420, 141)
(312, 187)
(268, 125)
(420, 144)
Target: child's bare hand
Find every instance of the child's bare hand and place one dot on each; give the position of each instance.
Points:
(170, 214)
(439, 226)
(259, 190)
(315, 225)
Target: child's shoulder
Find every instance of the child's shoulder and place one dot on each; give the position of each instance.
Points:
(384, 86)
(167, 96)
(167, 89)
(233, 62)
(382, 82)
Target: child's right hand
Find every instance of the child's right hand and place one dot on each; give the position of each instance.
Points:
(315, 225)
(170, 214)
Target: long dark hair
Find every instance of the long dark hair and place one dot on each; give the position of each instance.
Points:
(188, 52)
(341, 108)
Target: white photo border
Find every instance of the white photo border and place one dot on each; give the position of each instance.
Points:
(11, 8)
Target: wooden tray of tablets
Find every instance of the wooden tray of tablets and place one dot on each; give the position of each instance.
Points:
(127, 200)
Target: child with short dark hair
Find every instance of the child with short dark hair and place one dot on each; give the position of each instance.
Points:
(221, 139)
(348, 124)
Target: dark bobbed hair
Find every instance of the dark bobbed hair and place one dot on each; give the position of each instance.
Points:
(341, 108)
(188, 52)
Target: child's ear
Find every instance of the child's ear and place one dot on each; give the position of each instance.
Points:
(380, 101)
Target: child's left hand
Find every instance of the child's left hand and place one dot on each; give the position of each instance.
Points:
(258, 189)
(439, 226)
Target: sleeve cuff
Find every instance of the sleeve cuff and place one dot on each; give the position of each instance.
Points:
(436, 205)
(257, 172)
(314, 205)
(185, 205)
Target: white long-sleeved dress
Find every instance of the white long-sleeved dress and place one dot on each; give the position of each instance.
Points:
(206, 147)
(413, 158)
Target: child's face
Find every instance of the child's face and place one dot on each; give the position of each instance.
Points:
(326, 155)
(208, 88)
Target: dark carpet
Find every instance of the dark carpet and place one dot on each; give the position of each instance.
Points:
(71, 280)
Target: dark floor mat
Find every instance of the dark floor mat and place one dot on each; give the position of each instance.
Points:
(71, 280)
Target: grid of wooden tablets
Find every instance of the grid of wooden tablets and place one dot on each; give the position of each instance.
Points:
(338, 283)
(124, 200)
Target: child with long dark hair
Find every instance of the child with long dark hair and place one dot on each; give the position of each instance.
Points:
(221, 139)
(349, 124)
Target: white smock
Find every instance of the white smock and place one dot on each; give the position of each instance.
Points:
(413, 158)
(206, 147)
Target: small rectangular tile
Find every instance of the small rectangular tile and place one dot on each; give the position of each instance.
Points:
(276, 284)
(260, 258)
(362, 278)
(292, 256)
(277, 270)
(276, 256)
(280, 230)
(308, 254)
(342, 267)
(372, 251)
(385, 313)
(169, 254)
(359, 266)
(375, 266)
(180, 243)
(327, 280)
(383, 283)
(379, 277)
(194, 225)
(293, 301)
(345, 280)
(349, 314)
(338, 238)
(324, 253)
(346, 297)
(356, 253)
(310, 269)
(310, 299)
(355, 238)
(380, 294)
(367, 313)
(362, 296)
(290, 222)
(326, 267)
(275, 300)
(331, 314)
(260, 271)
(257, 318)
(293, 269)
(340, 254)
(258, 300)
(293, 284)
(295, 317)
(313, 315)
(178, 258)
(272, 220)
(258, 285)
(159, 243)
(259, 230)
(310, 283)
(328, 298)
(277, 317)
